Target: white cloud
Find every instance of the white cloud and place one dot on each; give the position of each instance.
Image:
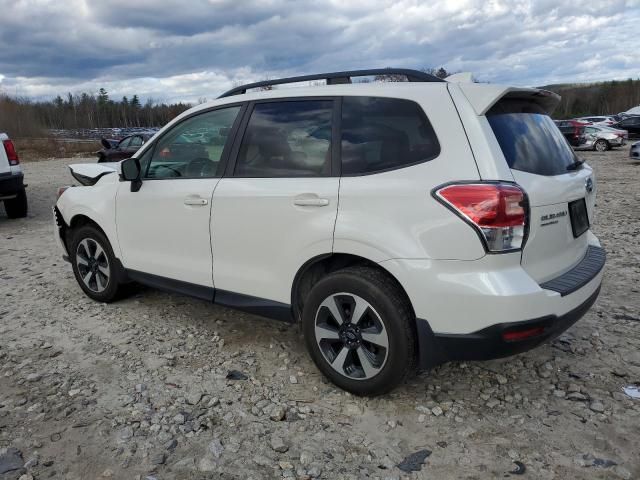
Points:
(176, 50)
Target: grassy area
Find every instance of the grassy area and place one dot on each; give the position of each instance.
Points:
(38, 148)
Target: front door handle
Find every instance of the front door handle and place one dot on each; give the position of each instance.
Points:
(311, 202)
(195, 201)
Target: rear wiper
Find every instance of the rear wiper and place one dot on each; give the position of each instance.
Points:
(576, 164)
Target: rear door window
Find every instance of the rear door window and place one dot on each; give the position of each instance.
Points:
(124, 143)
(287, 139)
(380, 134)
(529, 139)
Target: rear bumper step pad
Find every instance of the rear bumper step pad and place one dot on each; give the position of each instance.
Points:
(579, 275)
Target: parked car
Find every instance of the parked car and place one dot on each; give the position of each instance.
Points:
(630, 124)
(442, 247)
(620, 133)
(573, 131)
(115, 150)
(598, 120)
(12, 187)
(634, 152)
(602, 139)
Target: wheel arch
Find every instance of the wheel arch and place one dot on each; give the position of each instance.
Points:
(80, 220)
(319, 266)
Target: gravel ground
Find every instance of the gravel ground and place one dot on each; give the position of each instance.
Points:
(140, 388)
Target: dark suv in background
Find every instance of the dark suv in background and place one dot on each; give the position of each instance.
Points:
(630, 124)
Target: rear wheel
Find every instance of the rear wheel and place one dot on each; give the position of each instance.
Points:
(359, 330)
(17, 207)
(94, 264)
(601, 145)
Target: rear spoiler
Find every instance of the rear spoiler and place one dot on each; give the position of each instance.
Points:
(483, 96)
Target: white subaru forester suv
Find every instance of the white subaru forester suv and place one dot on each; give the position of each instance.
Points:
(403, 224)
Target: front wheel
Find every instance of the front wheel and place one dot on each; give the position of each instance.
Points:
(359, 330)
(94, 264)
(601, 146)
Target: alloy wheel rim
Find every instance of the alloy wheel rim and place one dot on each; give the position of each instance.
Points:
(600, 146)
(93, 265)
(351, 336)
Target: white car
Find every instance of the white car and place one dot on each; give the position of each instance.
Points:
(12, 188)
(403, 224)
(601, 138)
(599, 120)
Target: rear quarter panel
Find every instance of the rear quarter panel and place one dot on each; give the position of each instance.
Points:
(393, 215)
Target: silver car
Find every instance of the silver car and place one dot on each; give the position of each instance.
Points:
(635, 151)
(602, 139)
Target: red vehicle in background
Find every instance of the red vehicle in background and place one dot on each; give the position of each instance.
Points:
(573, 131)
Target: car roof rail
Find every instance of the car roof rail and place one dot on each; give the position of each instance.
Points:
(336, 78)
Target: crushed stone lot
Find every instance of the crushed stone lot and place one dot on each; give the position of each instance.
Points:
(139, 388)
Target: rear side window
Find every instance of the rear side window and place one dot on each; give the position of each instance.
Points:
(287, 139)
(530, 141)
(380, 134)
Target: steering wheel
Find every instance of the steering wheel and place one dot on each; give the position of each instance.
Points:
(200, 167)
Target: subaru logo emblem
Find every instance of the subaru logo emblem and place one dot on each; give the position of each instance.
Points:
(588, 185)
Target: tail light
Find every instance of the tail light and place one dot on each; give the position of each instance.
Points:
(497, 211)
(10, 149)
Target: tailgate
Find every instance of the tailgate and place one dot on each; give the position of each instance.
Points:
(554, 244)
(561, 193)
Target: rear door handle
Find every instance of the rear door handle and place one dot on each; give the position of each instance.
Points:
(311, 202)
(195, 201)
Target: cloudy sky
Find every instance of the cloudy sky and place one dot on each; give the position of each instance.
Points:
(189, 49)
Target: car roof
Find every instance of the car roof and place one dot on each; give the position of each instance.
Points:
(408, 90)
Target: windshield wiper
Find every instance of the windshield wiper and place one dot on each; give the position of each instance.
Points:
(576, 164)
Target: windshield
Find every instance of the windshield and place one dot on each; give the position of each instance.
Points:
(530, 141)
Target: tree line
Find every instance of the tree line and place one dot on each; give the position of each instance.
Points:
(23, 117)
(602, 98)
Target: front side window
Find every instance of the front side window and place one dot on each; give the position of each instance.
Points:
(136, 142)
(287, 139)
(193, 148)
(381, 134)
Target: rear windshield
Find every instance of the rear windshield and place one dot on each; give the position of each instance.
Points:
(530, 141)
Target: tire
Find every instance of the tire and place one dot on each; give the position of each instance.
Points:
(93, 260)
(17, 207)
(601, 146)
(101, 158)
(363, 365)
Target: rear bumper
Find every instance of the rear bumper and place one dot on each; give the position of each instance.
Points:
(11, 184)
(512, 337)
(489, 343)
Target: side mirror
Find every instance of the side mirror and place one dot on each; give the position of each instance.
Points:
(130, 172)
